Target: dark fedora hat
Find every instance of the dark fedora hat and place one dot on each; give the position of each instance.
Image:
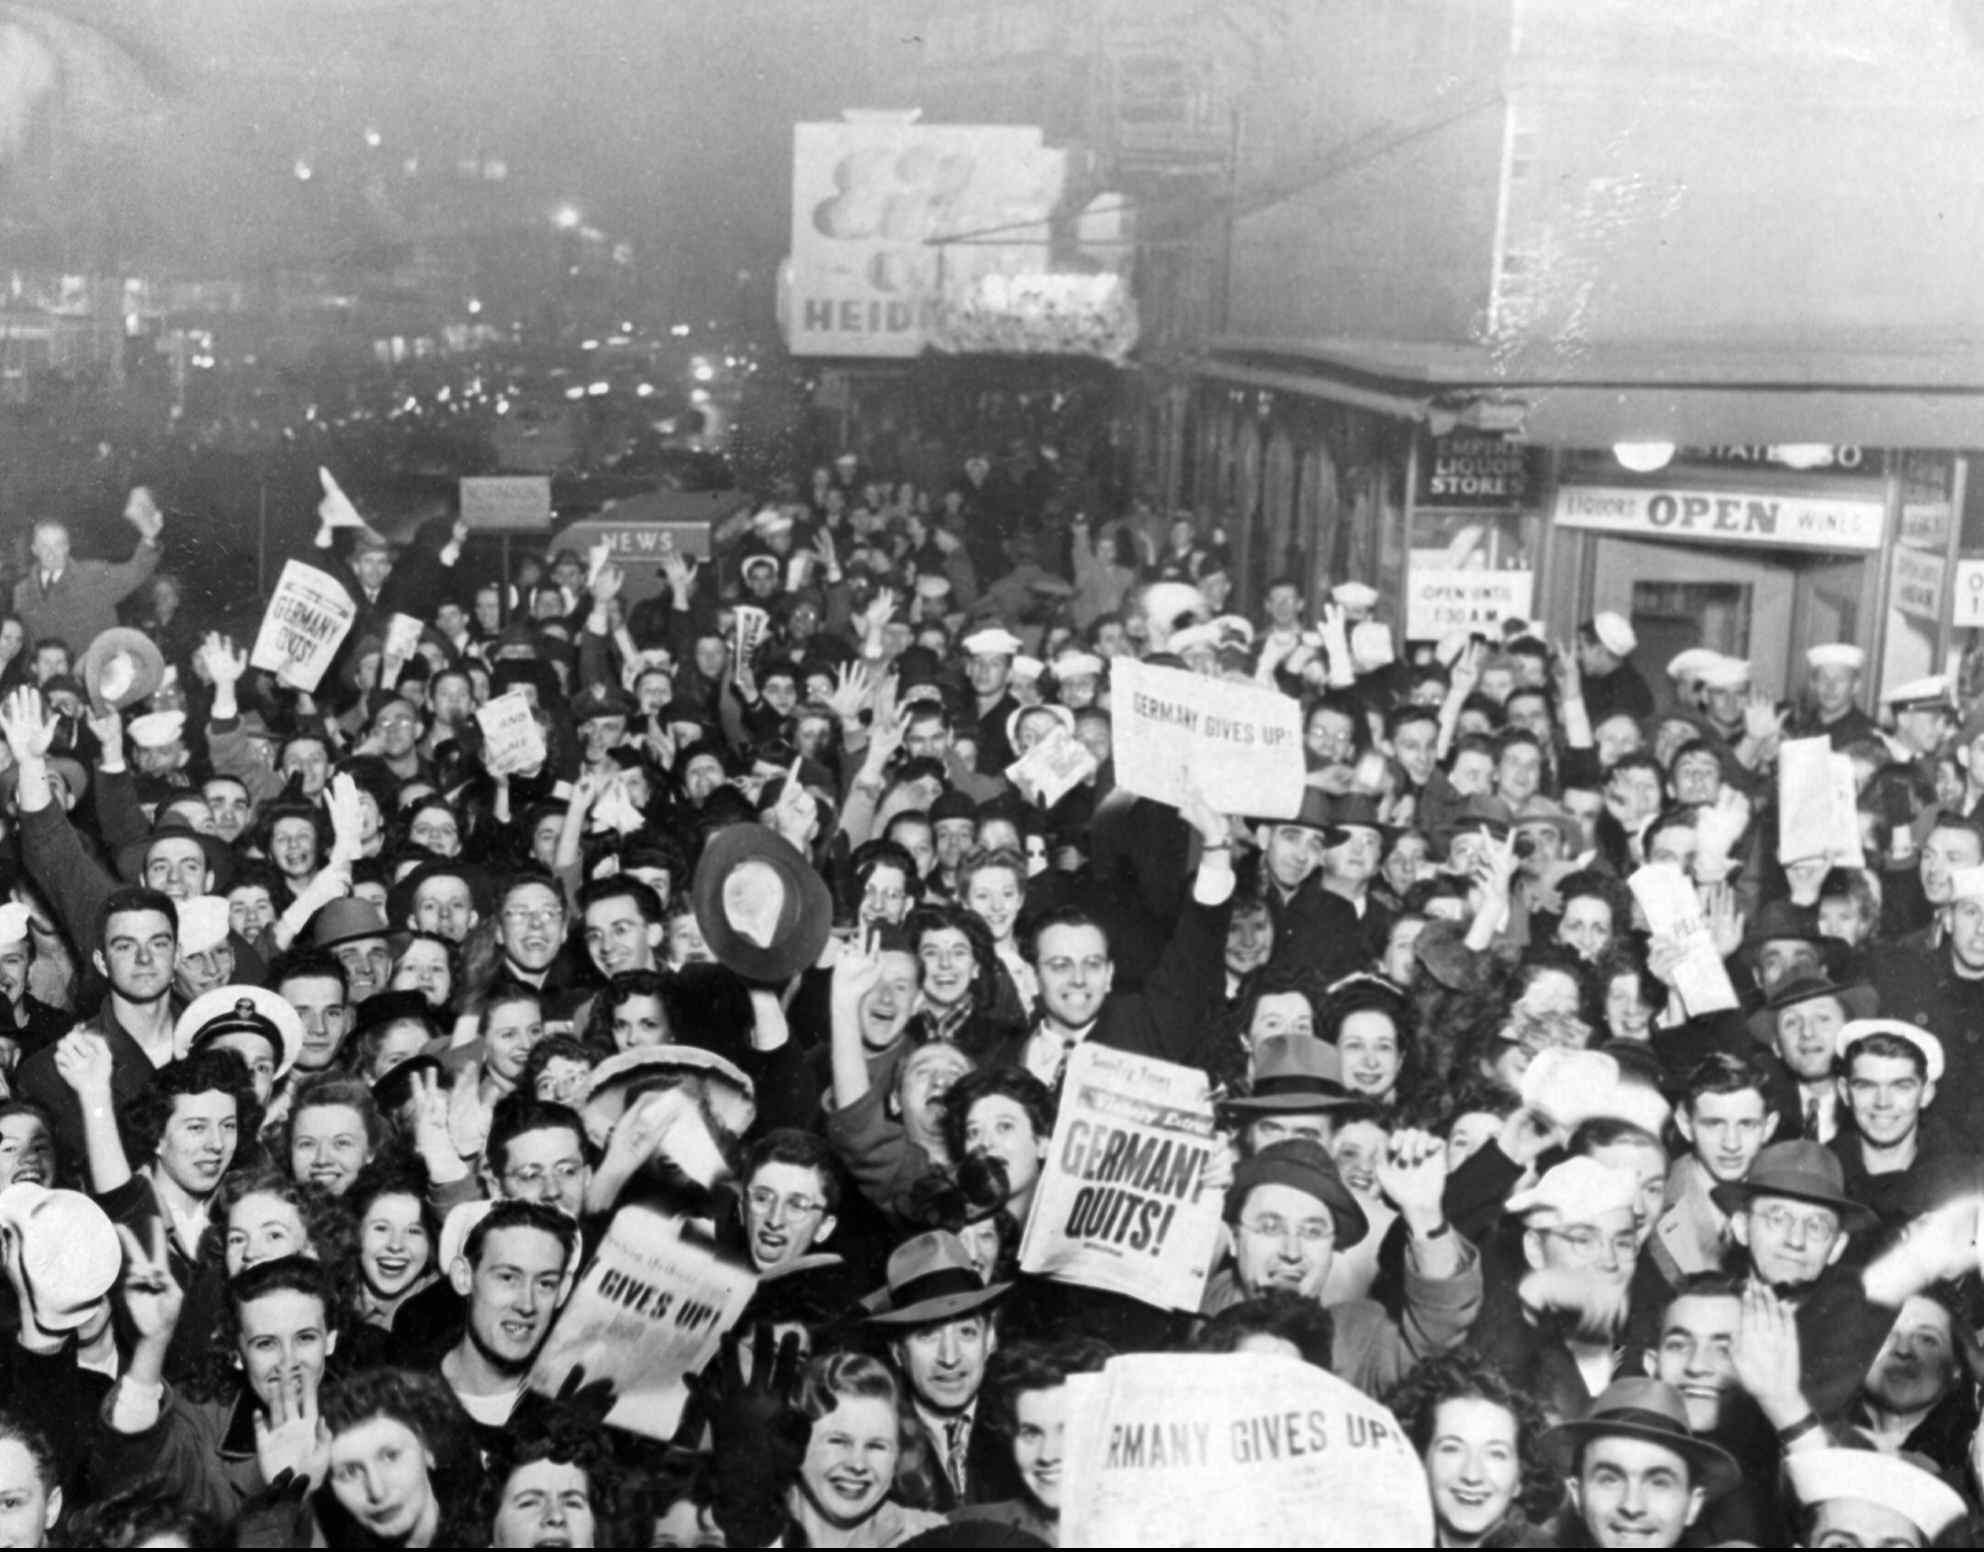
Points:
(1648, 1410)
(930, 1279)
(1294, 1073)
(1303, 1166)
(349, 920)
(1360, 809)
(132, 857)
(1315, 814)
(1857, 998)
(1805, 1171)
(764, 910)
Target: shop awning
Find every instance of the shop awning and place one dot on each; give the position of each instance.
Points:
(1691, 397)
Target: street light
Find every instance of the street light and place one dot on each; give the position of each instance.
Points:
(566, 218)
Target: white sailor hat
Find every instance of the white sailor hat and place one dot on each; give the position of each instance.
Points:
(1355, 595)
(1614, 632)
(1836, 654)
(1028, 668)
(1726, 673)
(15, 919)
(1966, 884)
(1234, 628)
(1912, 1491)
(993, 641)
(156, 729)
(1691, 664)
(202, 924)
(1077, 665)
(1936, 692)
(1859, 1029)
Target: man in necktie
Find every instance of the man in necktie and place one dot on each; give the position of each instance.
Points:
(938, 1313)
(75, 601)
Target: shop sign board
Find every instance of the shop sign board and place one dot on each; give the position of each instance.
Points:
(507, 503)
(891, 217)
(1477, 472)
(1967, 604)
(1707, 516)
(1440, 601)
(1917, 584)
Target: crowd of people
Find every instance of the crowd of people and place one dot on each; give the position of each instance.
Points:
(336, 1048)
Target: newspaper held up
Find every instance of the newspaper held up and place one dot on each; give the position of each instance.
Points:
(650, 1308)
(1052, 768)
(1120, 1204)
(1674, 910)
(402, 641)
(308, 617)
(512, 741)
(1817, 804)
(1240, 743)
(1235, 1450)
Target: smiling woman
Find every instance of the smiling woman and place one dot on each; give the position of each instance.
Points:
(855, 1458)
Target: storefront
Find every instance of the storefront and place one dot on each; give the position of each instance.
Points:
(1752, 549)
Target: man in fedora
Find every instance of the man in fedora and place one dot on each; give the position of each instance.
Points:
(937, 1314)
(1801, 1022)
(1289, 1213)
(1638, 1475)
(1350, 865)
(1295, 1096)
(1314, 927)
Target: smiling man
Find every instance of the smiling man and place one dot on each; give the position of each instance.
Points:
(1896, 1163)
(937, 1314)
(1639, 1476)
(788, 1194)
(511, 1269)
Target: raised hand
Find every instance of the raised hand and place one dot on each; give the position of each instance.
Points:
(152, 1296)
(1202, 816)
(1413, 1176)
(1465, 676)
(142, 512)
(347, 814)
(292, 1438)
(109, 731)
(796, 811)
(28, 724)
(606, 586)
(856, 970)
(1766, 1355)
(1725, 922)
(854, 687)
(82, 1060)
(223, 661)
(1570, 678)
(1761, 718)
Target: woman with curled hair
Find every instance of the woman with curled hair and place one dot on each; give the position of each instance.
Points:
(992, 886)
(865, 1447)
(1477, 1435)
(403, 1466)
(558, 1484)
(334, 1130)
(967, 1001)
(1025, 1403)
(631, 1011)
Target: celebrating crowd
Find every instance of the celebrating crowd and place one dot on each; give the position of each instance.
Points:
(1572, 1096)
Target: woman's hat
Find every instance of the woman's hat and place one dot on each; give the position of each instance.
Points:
(764, 910)
(241, 1010)
(121, 668)
(1648, 1410)
(930, 1280)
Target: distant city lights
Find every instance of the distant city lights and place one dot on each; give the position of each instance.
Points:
(566, 218)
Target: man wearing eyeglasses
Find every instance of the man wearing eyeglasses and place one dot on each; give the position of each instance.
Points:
(1560, 1335)
(788, 1193)
(530, 927)
(537, 1153)
(1289, 1213)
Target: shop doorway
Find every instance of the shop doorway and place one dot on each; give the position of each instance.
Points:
(1730, 601)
